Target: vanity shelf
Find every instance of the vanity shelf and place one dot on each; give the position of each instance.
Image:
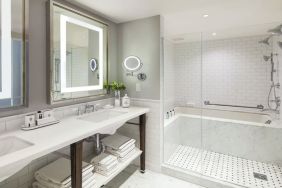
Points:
(103, 180)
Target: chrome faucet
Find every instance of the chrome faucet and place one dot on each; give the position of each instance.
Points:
(89, 108)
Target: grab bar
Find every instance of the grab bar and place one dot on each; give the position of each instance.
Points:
(260, 106)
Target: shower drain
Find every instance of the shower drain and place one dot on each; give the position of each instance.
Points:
(260, 176)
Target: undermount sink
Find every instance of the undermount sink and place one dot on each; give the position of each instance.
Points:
(103, 115)
(10, 145)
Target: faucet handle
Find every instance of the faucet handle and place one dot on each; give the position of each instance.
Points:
(97, 107)
(80, 110)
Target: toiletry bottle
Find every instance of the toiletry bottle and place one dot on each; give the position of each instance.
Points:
(117, 102)
(167, 115)
(125, 101)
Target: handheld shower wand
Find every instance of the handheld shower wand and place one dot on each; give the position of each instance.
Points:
(267, 58)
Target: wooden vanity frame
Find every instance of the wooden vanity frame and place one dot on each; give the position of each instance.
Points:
(76, 150)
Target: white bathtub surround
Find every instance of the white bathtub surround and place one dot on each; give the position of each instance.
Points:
(228, 168)
(228, 136)
(153, 133)
(247, 118)
(225, 145)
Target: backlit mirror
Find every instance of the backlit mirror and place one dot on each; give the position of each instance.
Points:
(78, 54)
(13, 57)
(132, 63)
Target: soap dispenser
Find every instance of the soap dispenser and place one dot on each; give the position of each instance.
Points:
(125, 101)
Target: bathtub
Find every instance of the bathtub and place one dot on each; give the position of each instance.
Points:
(246, 135)
(245, 118)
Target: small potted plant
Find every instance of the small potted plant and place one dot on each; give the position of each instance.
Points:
(117, 87)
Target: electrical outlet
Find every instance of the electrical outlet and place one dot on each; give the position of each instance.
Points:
(138, 87)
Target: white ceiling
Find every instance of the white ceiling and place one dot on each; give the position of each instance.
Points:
(185, 16)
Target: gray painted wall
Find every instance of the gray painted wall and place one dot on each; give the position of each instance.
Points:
(141, 38)
(37, 56)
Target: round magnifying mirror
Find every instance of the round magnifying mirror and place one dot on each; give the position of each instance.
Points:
(132, 63)
(93, 64)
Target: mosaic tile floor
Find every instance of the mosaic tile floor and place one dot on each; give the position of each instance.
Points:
(232, 169)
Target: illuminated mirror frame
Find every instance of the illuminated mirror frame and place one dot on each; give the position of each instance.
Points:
(63, 51)
(6, 54)
(51, 69)
(6, 50)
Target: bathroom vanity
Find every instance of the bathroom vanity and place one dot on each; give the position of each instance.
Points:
(30, 145)
(87, 58)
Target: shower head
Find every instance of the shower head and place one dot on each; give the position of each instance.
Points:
(265, 41)
(276, 31)
(266, 58)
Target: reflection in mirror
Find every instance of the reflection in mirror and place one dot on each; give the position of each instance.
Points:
(93, 65)
(132, 64)
(79, 51)
(12, 48)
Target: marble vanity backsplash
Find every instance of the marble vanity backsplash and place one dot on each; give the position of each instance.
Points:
(12, 123)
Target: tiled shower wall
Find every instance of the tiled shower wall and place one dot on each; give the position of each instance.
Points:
(229, 71)
(169, 76)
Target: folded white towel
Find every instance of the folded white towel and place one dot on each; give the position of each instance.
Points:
(116, 141)
(89, 184)
(44, 181)
(89, 179)
(107, 172)
(108, 167)
(59, 172)
(38, 185)
(125, 158)
(103, 159)
(127, 144)
(120, 154)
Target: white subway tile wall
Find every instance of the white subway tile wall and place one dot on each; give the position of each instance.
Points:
(228, 71)
(169, 78)
(153, 133)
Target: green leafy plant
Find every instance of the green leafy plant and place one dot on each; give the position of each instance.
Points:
(117, 86)
(107, 86)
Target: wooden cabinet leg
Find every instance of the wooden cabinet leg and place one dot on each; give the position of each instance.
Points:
(76, 164)
(142, 129)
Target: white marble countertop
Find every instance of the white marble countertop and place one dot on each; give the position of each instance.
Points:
(70, 130)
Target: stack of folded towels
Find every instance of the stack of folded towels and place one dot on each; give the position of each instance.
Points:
(105, 164)
(120, 146)
(58, 175)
